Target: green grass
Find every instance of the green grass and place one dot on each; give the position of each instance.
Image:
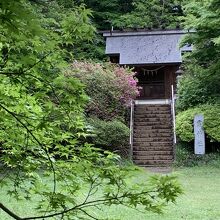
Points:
(200, 201)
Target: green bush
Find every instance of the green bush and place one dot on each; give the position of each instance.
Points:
(184, 122)
(110, 88)
(186, 158)
(110, 135)
(197, 87)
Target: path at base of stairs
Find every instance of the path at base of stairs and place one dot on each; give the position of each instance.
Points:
(161, 170)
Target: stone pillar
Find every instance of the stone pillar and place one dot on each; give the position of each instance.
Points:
(199, 145)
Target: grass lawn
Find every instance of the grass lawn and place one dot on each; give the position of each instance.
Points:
(201, 199)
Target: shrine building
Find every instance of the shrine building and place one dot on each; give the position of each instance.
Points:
(155, 56)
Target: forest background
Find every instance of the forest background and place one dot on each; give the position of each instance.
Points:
(48, 112)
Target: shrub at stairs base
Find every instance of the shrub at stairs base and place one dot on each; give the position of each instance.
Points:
(110, 135)
(184, 122)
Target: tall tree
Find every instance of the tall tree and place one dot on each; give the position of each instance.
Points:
(201, 82)
(42, 120)
(135, 13)
(106, 12)
(199, 88)
(151, 14)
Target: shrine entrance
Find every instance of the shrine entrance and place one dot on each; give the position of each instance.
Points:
(152, 81)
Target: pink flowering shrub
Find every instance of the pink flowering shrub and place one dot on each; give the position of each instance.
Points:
(110, 88)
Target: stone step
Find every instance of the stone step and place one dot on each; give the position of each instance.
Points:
(156, 143)
(161, 120)
(152, 157)
(153, 162)
(151, 127)
(152, 149)
(147, 126)
(151, 135)
(152, 107)
(152, 152)
(138, 112)
(161, 110)
(153, 130)
(157, 125)
(148, 146)
(146, 115)
(152, 139)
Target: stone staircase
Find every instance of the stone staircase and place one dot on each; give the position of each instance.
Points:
(152, 135)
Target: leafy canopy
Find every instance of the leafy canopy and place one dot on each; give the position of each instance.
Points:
(42, 122)
(199, 89)
(202, 65)
(151, 14)
(135, 13)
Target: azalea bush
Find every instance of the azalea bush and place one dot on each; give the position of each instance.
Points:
(110, 88)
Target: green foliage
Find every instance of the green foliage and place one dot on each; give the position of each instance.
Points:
(135, 13)
(212, 123)
(106, 12)
(110, 88)
(201, 82)
(203, 17)
(109, 134)
(197, 86)
(186, 158)
(121, 14)
(42, 119)
(151, 14)
(184, 125)
(94, 49)
(199, 89)
(184, 122)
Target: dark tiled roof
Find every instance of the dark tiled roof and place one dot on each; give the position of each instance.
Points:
(146, 46)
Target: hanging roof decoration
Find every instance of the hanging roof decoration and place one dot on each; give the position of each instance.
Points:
(151, 72)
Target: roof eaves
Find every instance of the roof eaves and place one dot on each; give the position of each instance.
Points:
(139, 32)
